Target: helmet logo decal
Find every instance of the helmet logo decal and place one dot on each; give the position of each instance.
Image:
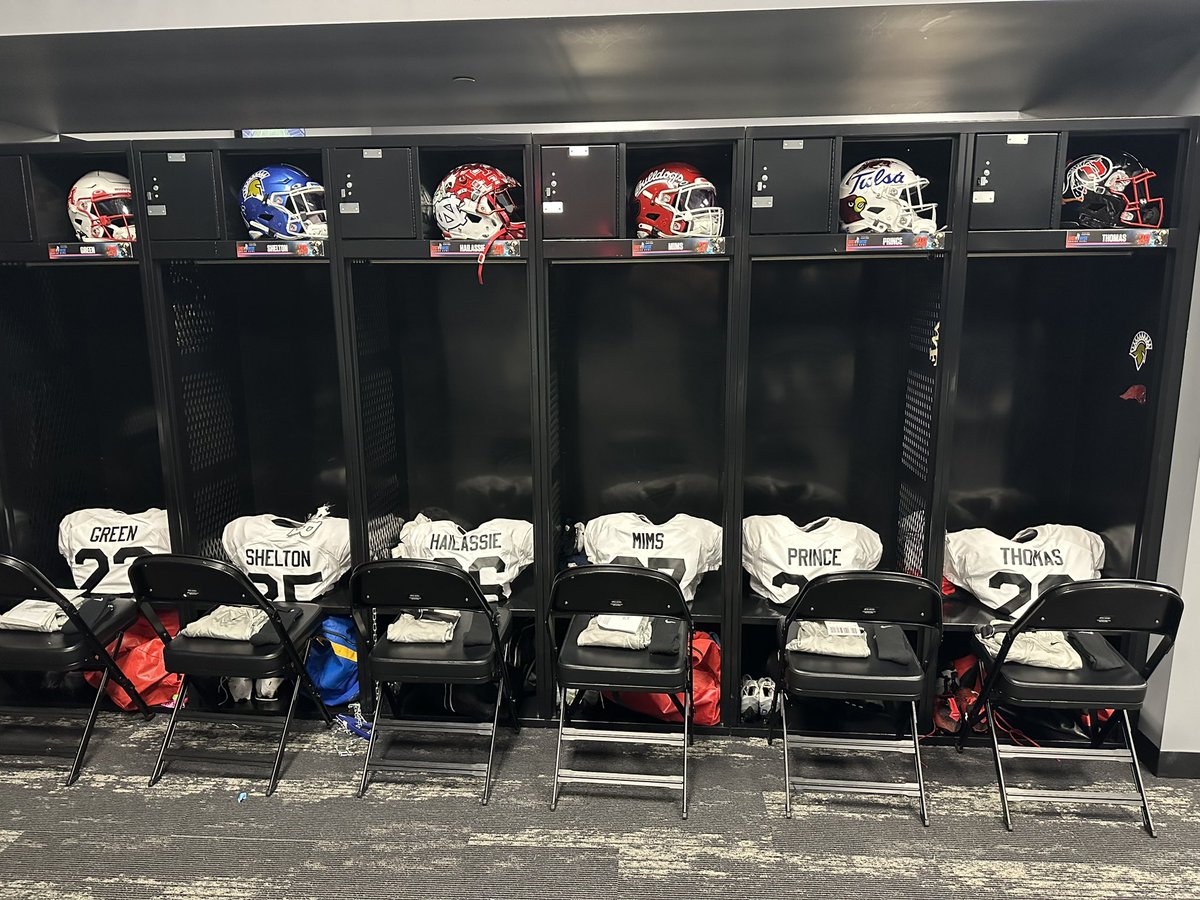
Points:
(254, 187)
(863, 180)
(860, 203)
(1140, 348)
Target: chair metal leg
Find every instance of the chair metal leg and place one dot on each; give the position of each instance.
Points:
(916, 737)
(771, 713)
(112, 669)
(999, 767)
(562, 721)
(180, 700)
(1137, 773)
(509, 697)
(310, 687)
(787, 771)
(283, 738)
(366, 769)
(687, 734)
(87, 731)
(487, 774)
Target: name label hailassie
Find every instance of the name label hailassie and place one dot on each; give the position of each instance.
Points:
(469, 542)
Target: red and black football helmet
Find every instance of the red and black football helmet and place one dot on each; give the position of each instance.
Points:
(1110, 192)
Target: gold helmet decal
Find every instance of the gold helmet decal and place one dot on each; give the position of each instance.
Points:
(254, 187)
(1140, 348)
(860, 203)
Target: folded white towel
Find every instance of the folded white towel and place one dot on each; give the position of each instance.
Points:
(36, 615)
(227, 623)
(597, 636)
(430, 626)
(627, 624)
(1045, 649)
(831, 639)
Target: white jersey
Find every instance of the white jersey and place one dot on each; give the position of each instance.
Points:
(1008, 575)
(289, 560)
(782, 556)
(99, 545)
(494, 554)
(684, 547)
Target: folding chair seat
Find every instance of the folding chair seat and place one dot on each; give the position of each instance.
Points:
(476, 654)
(195, 584)
(1086, 611)
(78, 647)
(875, 600)
(584, 592)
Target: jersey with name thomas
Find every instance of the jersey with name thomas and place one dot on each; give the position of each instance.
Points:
(782, 556)
(494, 554)
(289, 560)
(99, 545)
(685, 547)
(1007, 575)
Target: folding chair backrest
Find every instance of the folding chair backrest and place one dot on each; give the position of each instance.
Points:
(400, 584)
(21, 581)
(1106, 604)
(879, 597)
(623, 590)
(192, 582)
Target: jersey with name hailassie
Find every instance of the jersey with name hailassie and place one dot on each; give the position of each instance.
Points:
(289, 560)
(782, 556)
(684, 546)
(1008, 575)
(494, 554)
(99, 545)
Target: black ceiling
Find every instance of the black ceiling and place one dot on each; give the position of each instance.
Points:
(1062, 57)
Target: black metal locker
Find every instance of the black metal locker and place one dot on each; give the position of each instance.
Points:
(372, 191)
(181, 195)
(792, 188)
(1013, 184)
(14, 200)
(579, 191)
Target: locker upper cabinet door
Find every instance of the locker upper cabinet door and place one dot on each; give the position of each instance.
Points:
(580, 197)
(372, 191)
(14, 200)
(181, 195)
(1013, 184)
(792, 187)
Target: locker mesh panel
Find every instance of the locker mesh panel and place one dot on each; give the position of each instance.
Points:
(918, 424)
(920, 329)
(377, 396)
(911, 531)
(217, 503)
(208, 401)
(216, 480)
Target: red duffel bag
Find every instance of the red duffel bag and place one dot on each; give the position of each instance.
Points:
(706, 689)
(141, 659)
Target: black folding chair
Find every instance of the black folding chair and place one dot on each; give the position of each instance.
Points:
(875, 600)
(586, 591)
(1087, 611)
(379, 593)
(196, 585)
(76, 648)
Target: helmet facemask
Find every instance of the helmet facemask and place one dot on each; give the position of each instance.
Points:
(304, 205)
(695, 209)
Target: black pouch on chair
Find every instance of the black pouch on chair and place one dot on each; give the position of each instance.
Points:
(93, 611)
(891, 644)
(1099, 653)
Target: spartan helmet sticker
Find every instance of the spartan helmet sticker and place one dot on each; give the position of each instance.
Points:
(1140, 348)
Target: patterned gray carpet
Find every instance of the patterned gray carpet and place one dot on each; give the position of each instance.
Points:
(191, 836)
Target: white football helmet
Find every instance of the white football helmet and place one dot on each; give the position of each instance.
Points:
(100, 206)
(885, 195)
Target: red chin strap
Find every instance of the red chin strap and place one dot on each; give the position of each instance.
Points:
(514, 231)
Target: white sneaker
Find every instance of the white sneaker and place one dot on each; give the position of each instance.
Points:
(267, 688)
(751, 702)
(239, 688)
(766, 696)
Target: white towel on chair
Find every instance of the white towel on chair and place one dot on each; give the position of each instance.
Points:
(227, 623)
(1044, 649)
(45, 616)
(429, 626)
(842, 639)
(626, 624)
(596, 635)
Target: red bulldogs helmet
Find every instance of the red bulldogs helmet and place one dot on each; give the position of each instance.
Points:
(675, 200)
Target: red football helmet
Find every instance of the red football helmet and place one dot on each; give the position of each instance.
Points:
(675, 200)
(473, 203)
(1100, 192)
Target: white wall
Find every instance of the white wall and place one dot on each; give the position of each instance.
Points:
(1171, 717)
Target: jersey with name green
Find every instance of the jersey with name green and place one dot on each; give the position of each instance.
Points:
(99, 544)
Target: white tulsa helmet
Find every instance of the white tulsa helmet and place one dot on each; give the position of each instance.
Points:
(884, 195)
(100, 206)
